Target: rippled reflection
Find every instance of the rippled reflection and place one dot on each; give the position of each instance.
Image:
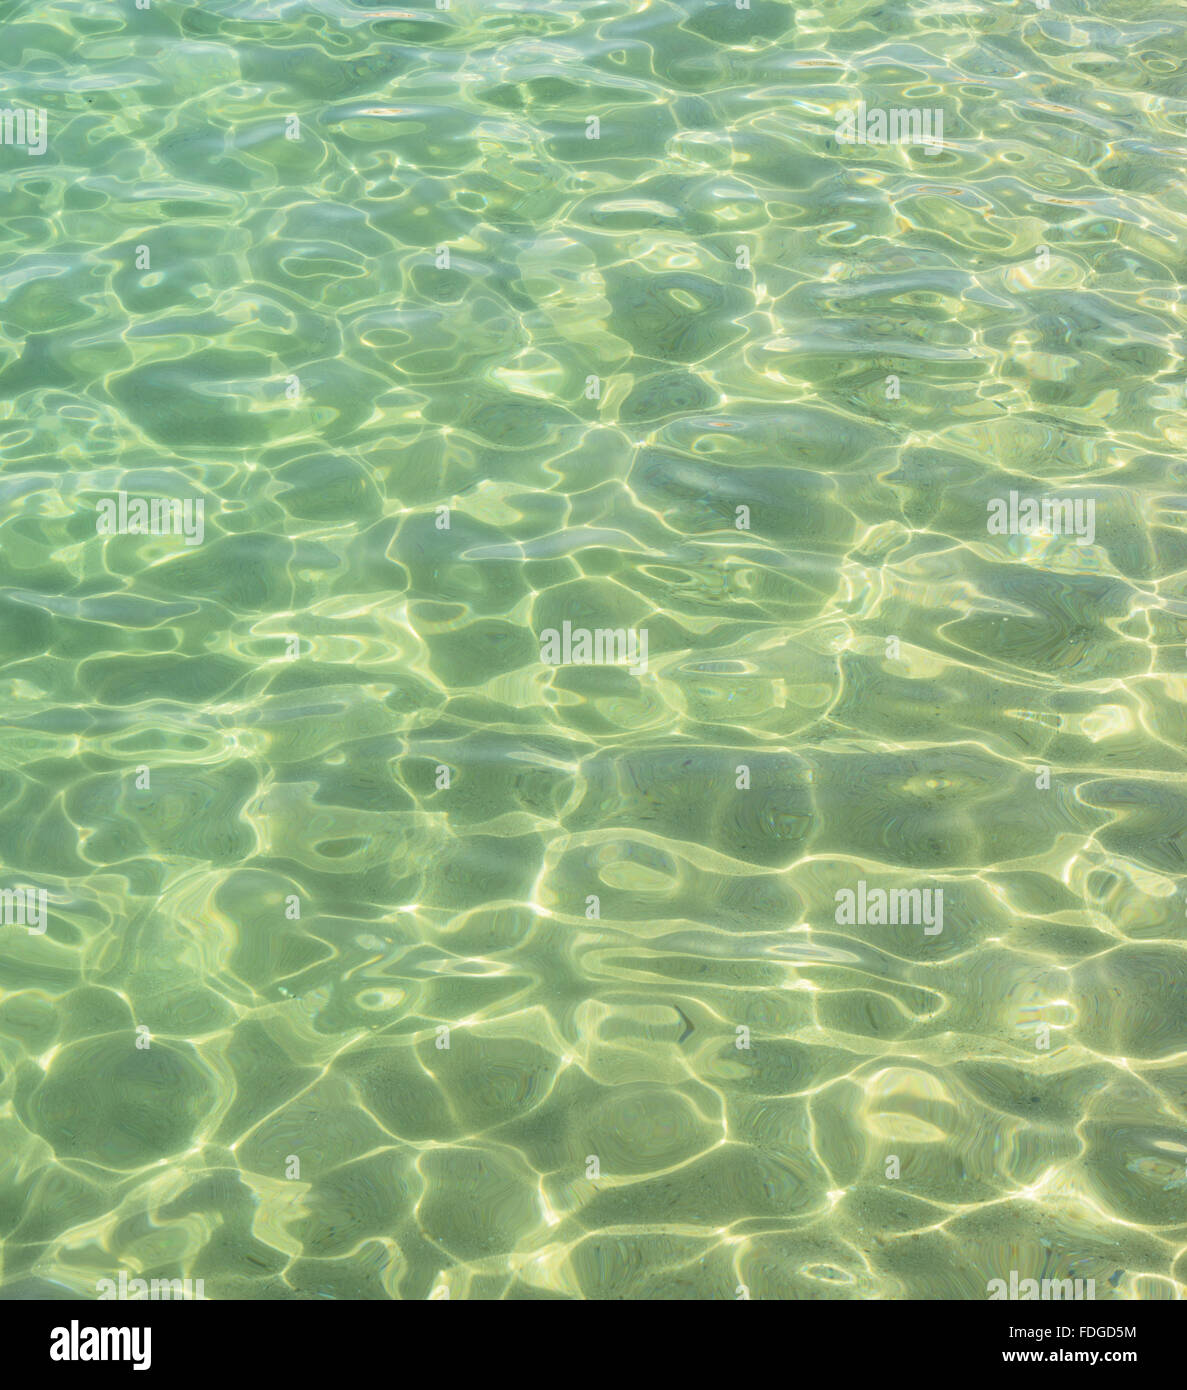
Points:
(384, 960)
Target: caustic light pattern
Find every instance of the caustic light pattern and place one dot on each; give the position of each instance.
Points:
(593, 649)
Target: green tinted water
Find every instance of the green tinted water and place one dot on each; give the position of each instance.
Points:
(385, 960)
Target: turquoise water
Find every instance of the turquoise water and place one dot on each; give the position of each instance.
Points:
(383, 957)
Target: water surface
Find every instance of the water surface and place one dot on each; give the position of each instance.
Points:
(225, 1057)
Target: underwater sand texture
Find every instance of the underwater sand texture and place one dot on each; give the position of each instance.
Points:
(578, 1017)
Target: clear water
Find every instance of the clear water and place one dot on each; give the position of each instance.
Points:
(714, 1086)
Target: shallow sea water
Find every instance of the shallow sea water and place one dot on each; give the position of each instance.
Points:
(703, 1091)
